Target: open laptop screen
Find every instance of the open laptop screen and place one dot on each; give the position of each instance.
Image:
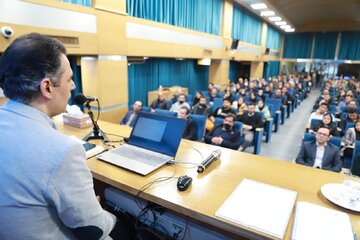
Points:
(158, 133)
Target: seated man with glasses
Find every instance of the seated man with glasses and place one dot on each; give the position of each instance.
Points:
(320, 153)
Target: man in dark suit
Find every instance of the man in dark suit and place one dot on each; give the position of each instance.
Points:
(251, 121)
(190, 128)
(320, 153)
(130, 115)
(225, 135)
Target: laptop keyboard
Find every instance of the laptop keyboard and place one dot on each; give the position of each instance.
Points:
(140, 156)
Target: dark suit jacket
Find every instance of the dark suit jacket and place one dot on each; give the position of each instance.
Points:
(190, 130)
(331, 159)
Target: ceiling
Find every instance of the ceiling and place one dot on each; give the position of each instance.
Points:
(315, 15)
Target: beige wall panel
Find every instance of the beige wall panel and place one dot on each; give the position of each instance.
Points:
(87, 42)
(111, 5)
(90, 76)
(139, 47)
(227, 18)
(219, 72)
(111, 33)
(113, 82)
(136, 47)
(256, 69)
(114, 116)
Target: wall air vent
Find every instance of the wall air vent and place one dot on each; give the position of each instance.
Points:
(136, 60)
(69, 41)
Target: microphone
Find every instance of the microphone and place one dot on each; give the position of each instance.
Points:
(215, 155)
(80, 99)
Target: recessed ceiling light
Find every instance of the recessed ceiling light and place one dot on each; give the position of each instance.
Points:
(275, 19)
(290, 30)
(267, 13)
(258, 6)
(285, 26)
(281, 23)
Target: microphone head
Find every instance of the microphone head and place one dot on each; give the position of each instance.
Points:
(79, 98)
(217, 153)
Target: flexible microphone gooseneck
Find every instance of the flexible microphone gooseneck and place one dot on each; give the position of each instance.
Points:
(215, 155)
(96, 133)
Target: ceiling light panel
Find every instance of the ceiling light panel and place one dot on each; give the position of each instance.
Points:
(285, 26)
(273, 19)
(267, 13)
(258, 6)
(290, 30)
(280, 23)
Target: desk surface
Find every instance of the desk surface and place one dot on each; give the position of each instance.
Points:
(211, 188)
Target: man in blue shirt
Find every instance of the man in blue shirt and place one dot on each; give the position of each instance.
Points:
(225, 135)
(46, 188)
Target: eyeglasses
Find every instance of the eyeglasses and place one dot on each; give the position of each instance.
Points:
(322, 134)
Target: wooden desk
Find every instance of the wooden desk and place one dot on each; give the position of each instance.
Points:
(210, 189)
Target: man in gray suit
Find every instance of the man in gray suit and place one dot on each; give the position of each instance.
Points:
(320, 153)
(46, 188)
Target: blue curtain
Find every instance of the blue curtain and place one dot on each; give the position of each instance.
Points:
(86, 3)
(233, 71)
(271, 69)
(273, 38)
(350, 46)
(298, 45)
(325, 45)
(165, 72)
(76, 78)
(200, 15)
(246, 27)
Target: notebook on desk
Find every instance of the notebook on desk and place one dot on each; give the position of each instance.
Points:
(154, 141)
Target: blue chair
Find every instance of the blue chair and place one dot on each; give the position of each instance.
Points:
(314, 122)
(333, 140)
(200, 123)
(275, 115)
(165, 112)
(169, 103)
(267, 126)
(145, 109)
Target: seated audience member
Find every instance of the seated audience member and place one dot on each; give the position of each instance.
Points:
(222, 112)
(177, 93)
(130, 115)
(228, 95)
(213, 94)
(252, 98)
(278, 95)
(180, 103)
(251, 121)
(351, 136)
(197, 97)
(327, 121)
(319, 113)
(47, 193)
(160, 102)
(320, 153)
(342, 106)
(261, 107)
(260, 94)
(210, 87)
(225, 135)
(201, 108)
(190, 128)
(351, 117)
(351, 105)
(241, 106)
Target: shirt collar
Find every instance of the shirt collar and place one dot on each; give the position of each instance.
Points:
(28, 112)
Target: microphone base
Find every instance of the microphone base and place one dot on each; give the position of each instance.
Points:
(96, 134)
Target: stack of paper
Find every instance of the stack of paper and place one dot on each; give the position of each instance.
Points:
(259, 206)
(316, 222)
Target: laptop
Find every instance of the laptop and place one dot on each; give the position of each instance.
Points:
(154, 141)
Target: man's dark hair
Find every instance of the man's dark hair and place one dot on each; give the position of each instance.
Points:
(230, 115)
(26, 62)
(187, 110)
(353, 110)
(324, 104)
(324, 126)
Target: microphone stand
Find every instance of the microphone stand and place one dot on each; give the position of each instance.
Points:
(96, 133)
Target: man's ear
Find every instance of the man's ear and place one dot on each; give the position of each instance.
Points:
(46, 88)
